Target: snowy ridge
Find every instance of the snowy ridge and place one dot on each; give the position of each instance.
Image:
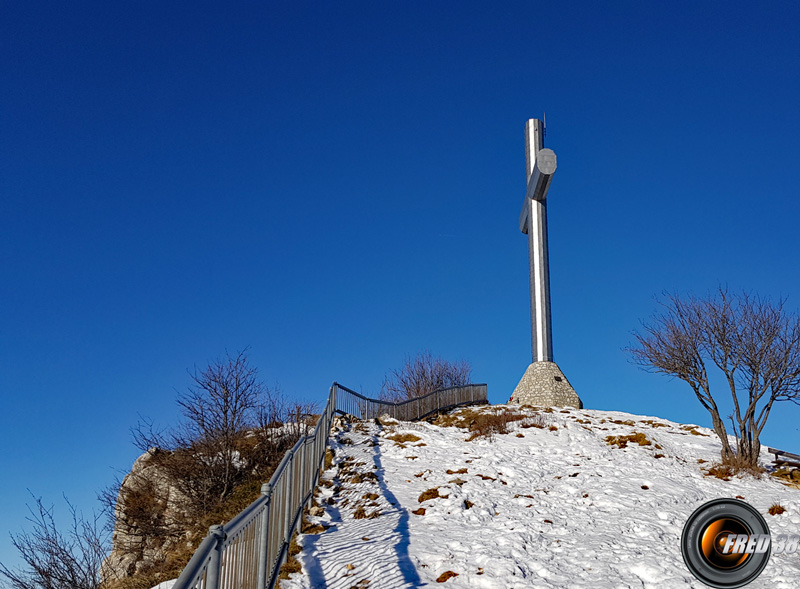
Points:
(552, 506)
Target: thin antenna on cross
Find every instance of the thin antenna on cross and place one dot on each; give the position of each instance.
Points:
(544, 124)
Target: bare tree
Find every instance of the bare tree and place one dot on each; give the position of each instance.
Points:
(424, 374)
(221, 407)
(56, 560)
(751, 340)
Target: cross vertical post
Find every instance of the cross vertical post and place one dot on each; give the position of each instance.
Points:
(543, 384)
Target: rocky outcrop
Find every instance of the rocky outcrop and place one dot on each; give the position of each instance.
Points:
(150, 516)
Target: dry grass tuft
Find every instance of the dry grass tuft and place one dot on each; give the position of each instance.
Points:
(292, 565)
(360, 513)
(459, 471)
(622, 441)
(485, 422)
(420, 511)
(652, 423)
(776, 509)
(446, 576)
(733, 466)
(403, 438)
(312, 529)
(431, 494)
(723, 472)
(361, 477)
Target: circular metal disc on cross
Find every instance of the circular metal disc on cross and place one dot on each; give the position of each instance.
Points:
(543, 383)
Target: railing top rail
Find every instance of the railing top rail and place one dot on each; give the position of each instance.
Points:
(203, 568)
(414, 400)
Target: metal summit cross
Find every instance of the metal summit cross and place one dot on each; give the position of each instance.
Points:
(543, 383)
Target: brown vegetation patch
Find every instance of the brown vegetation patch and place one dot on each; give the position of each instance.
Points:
(459, 471)
(486, 477)
(370, 496)
(791, 475)
(431, 494)
(622, 441)
(626, 422)
(446, 576)
(723, 472)
(292, 565)
(420, 511)
(652, 423)
(529, 424)
(776, 509)
(312, 529)
(457, 481)
(360, 513)
(403, 438)
(468, 504)
(480, 422)
(361, 477)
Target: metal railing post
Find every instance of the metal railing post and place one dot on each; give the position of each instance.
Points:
(266, 491)
(289, 488)
(212, 575)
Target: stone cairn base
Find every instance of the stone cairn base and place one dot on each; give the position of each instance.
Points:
(544, 385)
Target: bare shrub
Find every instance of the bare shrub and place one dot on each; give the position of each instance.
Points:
(424, 374)
(58, 560)
(753, 342)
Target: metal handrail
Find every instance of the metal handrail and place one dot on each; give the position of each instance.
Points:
(417, 408)
(248, 551)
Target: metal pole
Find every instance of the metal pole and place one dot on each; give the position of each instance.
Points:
(266, 491)
(212, 575)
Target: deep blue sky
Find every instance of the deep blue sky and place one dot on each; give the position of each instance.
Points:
(338, 185)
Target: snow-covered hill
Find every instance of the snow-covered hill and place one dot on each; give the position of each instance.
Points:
(552, 506)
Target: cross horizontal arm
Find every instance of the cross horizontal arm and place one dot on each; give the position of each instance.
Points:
(538, 184)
